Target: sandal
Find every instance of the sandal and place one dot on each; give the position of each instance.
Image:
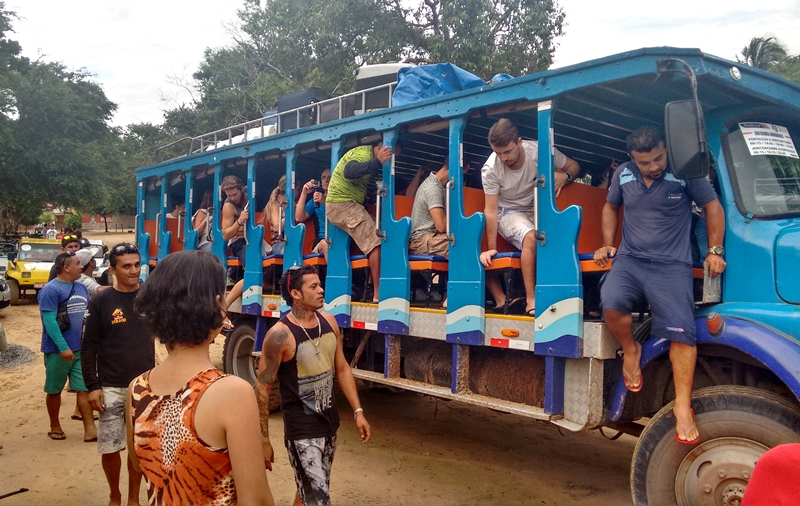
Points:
(57, 435)
(687, 442)
(630, 380)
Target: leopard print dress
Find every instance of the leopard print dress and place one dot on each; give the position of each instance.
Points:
(180, 469)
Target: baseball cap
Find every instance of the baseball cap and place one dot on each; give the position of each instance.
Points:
(85, 255)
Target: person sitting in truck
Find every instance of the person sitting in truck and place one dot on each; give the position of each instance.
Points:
(654, 262)
(509, 180)
(345, 198)
(315, 208)
(177, 207)
(273, 217)
(234, 216)
(201, 224)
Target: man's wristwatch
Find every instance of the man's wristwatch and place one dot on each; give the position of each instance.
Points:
(716, 250)
(569, 177)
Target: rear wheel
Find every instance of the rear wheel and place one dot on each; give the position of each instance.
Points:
(737, 425)
(13, 287)
(238, 359)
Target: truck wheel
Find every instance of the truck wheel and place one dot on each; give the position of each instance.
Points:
(237, 359)
(737, 425)
(13, 287)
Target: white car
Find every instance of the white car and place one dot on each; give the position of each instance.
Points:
(101, 273)
(5, 293)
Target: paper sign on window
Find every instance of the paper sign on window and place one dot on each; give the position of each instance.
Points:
(767, 139)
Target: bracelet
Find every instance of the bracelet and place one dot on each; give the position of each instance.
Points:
(357, 411)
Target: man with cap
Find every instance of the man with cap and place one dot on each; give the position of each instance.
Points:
(88, 263)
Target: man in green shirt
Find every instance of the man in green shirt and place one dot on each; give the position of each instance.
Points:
(345, 201)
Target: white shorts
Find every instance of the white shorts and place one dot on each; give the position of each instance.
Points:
(111, 423)
(514, 225)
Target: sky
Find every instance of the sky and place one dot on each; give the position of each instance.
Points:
(140, 51)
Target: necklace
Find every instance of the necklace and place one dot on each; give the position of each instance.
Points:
(316, 341)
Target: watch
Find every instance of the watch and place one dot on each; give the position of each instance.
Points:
(716, 250)
(569, 177)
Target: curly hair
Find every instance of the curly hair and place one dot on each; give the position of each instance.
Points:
(292, 279)
(178, 302)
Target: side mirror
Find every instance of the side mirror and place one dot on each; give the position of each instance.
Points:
(685, 131)
(685, 127)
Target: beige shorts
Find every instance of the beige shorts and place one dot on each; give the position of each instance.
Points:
(514, 226)
(356, 222)
(111, 425)
(430, 243)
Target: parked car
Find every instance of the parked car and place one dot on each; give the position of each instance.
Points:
(5, 293)
(29, 267)
(101, 273)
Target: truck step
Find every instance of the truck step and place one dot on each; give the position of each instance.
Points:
(466, 397)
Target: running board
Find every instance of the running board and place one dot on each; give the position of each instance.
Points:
(515, 408)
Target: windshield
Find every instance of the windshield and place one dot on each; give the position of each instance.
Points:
(39, 252)
(766, 169)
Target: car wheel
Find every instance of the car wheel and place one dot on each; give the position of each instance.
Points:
(238, 359)
(13, 287)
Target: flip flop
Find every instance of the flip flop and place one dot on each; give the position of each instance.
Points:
(56, 435)
(93, 440)
(531, 312)
(630, 380)
(79, 417)
(687, 442)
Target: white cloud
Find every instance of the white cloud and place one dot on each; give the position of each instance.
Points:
(133, 48)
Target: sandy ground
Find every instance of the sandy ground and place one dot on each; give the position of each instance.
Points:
(423, 451)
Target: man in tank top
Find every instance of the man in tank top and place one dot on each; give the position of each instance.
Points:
(234, 218)
(304, 351)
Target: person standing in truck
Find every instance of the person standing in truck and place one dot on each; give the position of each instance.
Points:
(345, 202)
(234, 217)
(509, 179)
(304, 351)
(654, 262)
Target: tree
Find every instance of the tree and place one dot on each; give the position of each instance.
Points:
(788, 68)
(762, 53)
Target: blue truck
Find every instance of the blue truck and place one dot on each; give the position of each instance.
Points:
(732, 123)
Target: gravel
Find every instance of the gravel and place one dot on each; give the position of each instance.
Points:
(15, 355)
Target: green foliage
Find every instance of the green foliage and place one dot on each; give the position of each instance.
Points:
(72, 221)
(46, 217)
(762, 53)
(788, 68)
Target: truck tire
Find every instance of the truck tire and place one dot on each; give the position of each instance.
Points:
(13, 287)
(237, 359)
(737, 425)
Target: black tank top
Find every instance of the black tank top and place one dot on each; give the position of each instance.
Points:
(307, 398)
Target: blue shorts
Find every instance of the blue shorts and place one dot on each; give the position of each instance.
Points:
(666, 286)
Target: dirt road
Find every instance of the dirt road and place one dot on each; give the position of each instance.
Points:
(423, 451)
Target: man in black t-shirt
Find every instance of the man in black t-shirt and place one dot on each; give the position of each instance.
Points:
(304, 351)
(117, 348)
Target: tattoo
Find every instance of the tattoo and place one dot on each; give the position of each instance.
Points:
(299, 313)
(275, 343)
(262, 398)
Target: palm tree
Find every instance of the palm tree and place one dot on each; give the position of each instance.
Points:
(762, 53)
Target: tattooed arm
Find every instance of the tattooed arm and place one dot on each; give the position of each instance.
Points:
(278, 347)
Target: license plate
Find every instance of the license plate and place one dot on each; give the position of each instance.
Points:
(39, 285)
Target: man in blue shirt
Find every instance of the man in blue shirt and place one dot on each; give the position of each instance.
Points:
(314, 207)
(61, 348)
(654, 262)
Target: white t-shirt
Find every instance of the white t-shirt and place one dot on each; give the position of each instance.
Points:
(514, 188)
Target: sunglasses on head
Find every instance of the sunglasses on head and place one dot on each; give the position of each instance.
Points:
(122, 249)
(68, 237)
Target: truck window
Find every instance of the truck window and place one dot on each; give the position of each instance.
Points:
(766, 185)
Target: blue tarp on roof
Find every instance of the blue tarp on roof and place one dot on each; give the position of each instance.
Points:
(426, 81)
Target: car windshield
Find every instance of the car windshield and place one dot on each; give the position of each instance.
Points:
(39, 252)
(765, 169)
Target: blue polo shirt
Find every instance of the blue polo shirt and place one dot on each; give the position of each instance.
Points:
(658, 220)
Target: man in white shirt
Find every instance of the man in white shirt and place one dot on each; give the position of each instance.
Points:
(88, 264)
(509, 178)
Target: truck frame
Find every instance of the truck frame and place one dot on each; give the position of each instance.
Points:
(562, 366)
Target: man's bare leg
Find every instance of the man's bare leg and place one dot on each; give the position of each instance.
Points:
(297, 500)
(53, 403)
(134, 482)
(620, 326)
(374, 259)
(528, 261)
(683, 357)
(89, 429)
(493, 285)
(112, 463)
